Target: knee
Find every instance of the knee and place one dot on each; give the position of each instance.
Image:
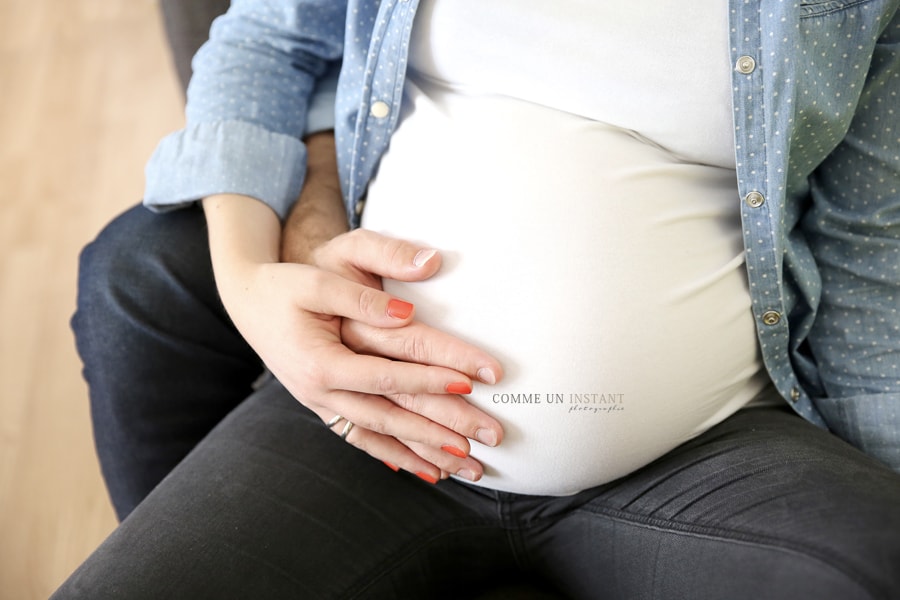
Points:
(137, 260)
(104, 262)
(143, 272)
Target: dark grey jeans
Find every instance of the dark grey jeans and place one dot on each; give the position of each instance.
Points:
(270, 504)
(273, 505)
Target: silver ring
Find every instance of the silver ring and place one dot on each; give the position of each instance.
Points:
(334, 421)
(346, 430)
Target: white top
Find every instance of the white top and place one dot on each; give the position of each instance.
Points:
(603, 270)
(660, 68)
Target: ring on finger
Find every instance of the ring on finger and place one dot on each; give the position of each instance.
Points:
(334, 421)
(346, 430)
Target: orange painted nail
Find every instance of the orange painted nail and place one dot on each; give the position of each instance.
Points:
(426, 477)
(399, 309)
(453, 450)
(459, 388)
(391, 466)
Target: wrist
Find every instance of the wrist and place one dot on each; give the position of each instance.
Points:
(242, 230)
(318, 216)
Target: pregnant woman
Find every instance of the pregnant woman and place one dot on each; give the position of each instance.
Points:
(620, 270)
(621, 312)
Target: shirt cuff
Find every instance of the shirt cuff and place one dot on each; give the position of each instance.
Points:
(225, 157)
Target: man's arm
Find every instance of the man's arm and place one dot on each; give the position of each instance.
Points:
(853, 228)
(319, 214)
(249, 104)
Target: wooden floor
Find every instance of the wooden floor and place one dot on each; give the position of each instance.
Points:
(86, 90)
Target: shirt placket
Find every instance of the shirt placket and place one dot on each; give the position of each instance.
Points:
(761, 208)
(384, 78)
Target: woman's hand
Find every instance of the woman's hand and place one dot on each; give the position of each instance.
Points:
(408, 411)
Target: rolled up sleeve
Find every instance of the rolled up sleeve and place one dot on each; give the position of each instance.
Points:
(250, 101)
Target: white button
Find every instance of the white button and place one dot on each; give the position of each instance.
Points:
(754, 199)
(380, 110)
(359, 208)
(745, 65)
(795, 394)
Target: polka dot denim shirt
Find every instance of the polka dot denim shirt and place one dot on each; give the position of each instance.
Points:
(816, 94)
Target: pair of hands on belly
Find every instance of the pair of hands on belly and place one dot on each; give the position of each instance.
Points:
(310, 303)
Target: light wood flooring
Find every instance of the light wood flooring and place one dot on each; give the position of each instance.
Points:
(86, 90)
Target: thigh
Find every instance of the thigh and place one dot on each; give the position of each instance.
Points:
(272, 504)
(764, 505)
(162, 360)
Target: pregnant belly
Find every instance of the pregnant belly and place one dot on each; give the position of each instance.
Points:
(604, 274)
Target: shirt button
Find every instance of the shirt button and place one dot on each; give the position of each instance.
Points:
(771, 317)
(745, 65)
(795, 394)
(380, 110)
(359, 208)
(754, 199)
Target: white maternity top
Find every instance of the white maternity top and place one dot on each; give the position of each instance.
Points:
(574, 166)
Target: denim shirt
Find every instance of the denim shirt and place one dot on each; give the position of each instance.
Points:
(817, 140)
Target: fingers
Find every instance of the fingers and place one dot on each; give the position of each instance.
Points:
(369, 252)
(354, 386)
(455, 413)
(341, 369)
(399, 438)
(432, 393)
(327, 293)
(419, 343)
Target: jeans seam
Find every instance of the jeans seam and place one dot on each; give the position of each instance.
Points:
(732, 536)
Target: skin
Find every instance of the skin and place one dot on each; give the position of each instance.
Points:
(308, 299)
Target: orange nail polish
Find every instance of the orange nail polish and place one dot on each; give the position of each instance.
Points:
(459, 388)
(399, 309)
(427, 477)
(453, 450)
(391, 466)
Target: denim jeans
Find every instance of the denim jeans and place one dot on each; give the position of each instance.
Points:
(162, 360)
(271, 504)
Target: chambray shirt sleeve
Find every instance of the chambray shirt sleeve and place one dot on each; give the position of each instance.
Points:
(853, 227)
(250, 101)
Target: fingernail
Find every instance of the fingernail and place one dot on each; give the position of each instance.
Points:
(423, 256)
(486, 375)
(461, 387)
(426, 477)
(391, 466)
(399, 309)
(454, 451)
(486, 436)
(466, 474)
